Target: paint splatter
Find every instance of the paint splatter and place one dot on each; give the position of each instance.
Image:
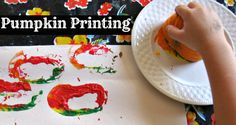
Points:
(92, 49)
(104, 9)
(10, 95)
(59, 96)
(78, 79)
(15, 1)
(20, 107)
(120, 54)
(72, 4)
(20, 58)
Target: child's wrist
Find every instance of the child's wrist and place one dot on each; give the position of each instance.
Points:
(216, 48)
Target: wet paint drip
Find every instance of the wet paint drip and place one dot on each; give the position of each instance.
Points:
(20, 107)
(105, 8)
(20, 58)
(15, 1)
(92, 49)
(72, 4)
(59, 96)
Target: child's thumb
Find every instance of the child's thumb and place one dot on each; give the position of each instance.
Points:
(175, 33)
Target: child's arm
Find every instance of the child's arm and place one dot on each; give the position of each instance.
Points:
(203, 31)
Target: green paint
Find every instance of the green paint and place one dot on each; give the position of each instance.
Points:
(55, 75)
(103, 70)
(3, 94)
(176, 54)
(81, 111)
(21, 107)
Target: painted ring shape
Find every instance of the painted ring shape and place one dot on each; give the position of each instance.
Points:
(15, 87)
(20, 58)
(92, 49)
(59, 96)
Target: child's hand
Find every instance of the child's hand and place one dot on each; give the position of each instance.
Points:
(202, 28)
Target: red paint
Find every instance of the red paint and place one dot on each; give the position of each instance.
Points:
(92, 50)
(10, 106)
(14, 66)
(14, 86)
(104, 9)
(72, 4)
(59, 96)
(15, 1)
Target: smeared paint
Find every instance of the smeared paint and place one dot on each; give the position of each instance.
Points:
(14, 86)
(105, 8)
(102, 70)
(72, 4)
(15, 1)
(92, 49)
(20, 107)
(59, 96)
(6, 87)
(20, 58)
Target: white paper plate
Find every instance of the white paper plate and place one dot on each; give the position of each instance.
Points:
(182, 81)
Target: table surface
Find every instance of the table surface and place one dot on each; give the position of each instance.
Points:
(202, 115)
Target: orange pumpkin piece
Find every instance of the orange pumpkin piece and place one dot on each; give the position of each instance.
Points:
(173, 46)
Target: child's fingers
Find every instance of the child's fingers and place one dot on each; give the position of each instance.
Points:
(175, 33)
(183, 11)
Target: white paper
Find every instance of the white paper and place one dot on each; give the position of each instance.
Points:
(131, 99)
